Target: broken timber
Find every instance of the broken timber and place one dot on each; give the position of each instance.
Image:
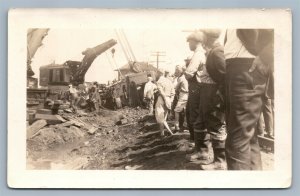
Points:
(33, 129)
(50, 119)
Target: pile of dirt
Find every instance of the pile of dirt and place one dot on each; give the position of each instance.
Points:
(73, 139)
(51, 137)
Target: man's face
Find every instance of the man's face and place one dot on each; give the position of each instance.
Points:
(159, 74)
(177, 72)
(193, 45)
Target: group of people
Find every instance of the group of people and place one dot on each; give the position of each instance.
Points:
(224, 92)
(84, 96)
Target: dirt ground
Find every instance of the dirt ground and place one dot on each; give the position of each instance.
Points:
(134, 144)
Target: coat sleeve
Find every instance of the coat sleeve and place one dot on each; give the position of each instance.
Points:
(219, 62)
(259, 42)
(197, 60)
(266, 48)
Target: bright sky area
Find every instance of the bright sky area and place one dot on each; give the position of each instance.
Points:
(61, 45)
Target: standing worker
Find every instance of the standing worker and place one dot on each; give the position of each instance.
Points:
(73, 96)
(210, 127)
(149, 94)
(192, 75)
(182, 91)
(249, 64)
(96, 99)
(163, 104)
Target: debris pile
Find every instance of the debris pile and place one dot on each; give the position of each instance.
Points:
(124, 139)
(77, 131)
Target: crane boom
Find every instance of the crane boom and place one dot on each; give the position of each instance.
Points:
(90, 55)
(128, 45)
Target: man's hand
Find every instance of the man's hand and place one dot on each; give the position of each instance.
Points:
(255, 63)
(260, 66)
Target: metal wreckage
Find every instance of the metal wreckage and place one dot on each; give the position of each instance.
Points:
(120, 135)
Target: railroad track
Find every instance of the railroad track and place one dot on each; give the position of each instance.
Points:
(265, 142)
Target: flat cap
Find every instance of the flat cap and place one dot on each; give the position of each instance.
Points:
(213, 33)
(197, 36)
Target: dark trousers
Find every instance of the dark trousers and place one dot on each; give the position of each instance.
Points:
(207, 109)
(260, 126)
(193, 105)
(209, 125)
(244, 100)
(265, 123)
(268, 113)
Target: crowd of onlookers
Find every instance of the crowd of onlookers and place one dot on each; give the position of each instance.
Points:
(225, 95)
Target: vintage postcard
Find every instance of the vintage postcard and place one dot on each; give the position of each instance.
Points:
(149, 98)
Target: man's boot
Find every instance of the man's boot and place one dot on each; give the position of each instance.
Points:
(219, 157)
(202, 154)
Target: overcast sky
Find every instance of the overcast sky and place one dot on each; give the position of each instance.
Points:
(61, 45)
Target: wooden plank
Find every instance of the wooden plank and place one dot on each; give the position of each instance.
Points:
(51, 119)
(44, 111)
(66, 124)
(35, 127)
(60, 118)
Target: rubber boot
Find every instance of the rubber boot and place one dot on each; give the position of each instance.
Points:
(219, 157)
(202, 155)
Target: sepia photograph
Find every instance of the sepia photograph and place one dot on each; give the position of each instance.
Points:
(134, 94)
(134, 101)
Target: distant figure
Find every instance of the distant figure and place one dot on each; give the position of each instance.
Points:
(149, 94)
(83, 95)
(94, 100)
(135, 101)
(96, 97)
(182, 91)
(166, 94)
(73, 97)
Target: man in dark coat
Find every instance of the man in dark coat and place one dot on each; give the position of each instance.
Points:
(249, 65)
(210, 123)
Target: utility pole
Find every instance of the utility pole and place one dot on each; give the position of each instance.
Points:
(158, 54)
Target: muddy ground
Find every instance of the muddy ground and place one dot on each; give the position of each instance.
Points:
(134, 143)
